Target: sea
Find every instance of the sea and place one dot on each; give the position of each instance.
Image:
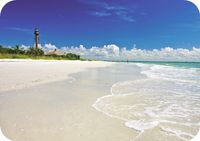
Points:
(162, 106)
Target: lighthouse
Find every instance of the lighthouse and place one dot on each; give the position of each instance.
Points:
(36, 37)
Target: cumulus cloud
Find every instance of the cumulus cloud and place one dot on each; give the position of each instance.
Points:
(114, 52)
(48, 47)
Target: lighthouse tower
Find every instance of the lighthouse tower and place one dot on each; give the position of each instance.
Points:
(36, 37)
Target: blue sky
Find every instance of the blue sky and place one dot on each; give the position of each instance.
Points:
(148, 24)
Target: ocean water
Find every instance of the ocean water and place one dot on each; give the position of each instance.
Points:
(161, 107)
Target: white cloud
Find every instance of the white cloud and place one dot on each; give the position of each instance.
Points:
(101, 13)
(113, 52)
(48, 47)
(106, 9)
(24, 47)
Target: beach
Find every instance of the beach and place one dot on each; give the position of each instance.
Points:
(80, 100)
(17, 74)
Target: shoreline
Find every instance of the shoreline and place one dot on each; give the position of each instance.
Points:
(96, 103)
(107, 104)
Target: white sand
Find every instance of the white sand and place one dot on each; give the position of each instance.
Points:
(60, 110)
(17, 74)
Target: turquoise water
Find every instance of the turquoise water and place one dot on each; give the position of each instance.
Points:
(175, 64)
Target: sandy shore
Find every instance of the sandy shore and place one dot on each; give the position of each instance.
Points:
(86, 101)
(17, 74)
(60, 110)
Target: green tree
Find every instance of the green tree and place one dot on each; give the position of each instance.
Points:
(17, 50)
(35, 52)
(72, 56)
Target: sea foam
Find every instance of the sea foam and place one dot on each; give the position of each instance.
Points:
(168, 99)
(2, 137)
(141, 125)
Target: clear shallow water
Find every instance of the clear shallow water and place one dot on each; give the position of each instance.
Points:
(163, 106)
(175, 64)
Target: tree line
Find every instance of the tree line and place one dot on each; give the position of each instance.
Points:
(36, 52)
(18, 50)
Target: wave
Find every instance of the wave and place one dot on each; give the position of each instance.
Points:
(168, 100)
(2, 137)
(191, 75)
